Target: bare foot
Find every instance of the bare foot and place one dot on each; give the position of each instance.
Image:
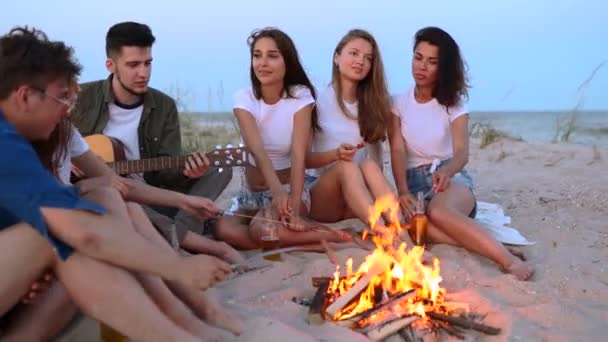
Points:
(218, 316)
(520, 269)
(516, 252)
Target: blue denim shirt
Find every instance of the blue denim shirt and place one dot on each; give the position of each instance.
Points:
(26, 186)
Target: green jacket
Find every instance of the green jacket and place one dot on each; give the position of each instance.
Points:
(158, 131)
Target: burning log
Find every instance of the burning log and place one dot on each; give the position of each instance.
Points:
(351, 294)
(465, 323)
(383, 330)
(315, 312)
(395, 300)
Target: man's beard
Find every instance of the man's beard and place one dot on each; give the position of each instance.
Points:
(129, 90)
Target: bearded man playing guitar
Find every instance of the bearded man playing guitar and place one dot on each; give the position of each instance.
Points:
(145, 122)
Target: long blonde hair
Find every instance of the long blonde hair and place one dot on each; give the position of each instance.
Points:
(373, 99)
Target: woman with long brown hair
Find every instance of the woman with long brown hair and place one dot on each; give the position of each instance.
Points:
(276, 116)
(345, 162)
(431, 123)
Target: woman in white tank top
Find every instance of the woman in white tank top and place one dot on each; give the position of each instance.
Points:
(354, 113)
(276, 116)
(430, 123)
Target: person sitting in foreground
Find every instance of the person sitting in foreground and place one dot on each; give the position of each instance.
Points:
(41, 220)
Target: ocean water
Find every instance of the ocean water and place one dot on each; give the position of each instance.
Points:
(590, 128)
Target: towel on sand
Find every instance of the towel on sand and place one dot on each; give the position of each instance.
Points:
(493, 218)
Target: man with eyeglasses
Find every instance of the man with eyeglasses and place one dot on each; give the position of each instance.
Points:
(93, 243)
(146, 122)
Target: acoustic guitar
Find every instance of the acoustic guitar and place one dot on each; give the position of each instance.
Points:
(111, 151)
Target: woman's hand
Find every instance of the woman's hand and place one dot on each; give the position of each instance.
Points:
(441, 180)
(346, 152)
(280, 203)
(407, 201)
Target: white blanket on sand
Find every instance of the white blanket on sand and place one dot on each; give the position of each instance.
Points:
(493, 217)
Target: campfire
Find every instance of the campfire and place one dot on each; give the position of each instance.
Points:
(392, 292)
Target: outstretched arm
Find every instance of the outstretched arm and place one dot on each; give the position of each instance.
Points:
(299, 146)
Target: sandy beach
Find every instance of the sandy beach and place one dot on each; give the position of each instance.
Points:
(555, 194)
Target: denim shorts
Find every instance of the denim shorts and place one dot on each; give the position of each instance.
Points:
(255, 200)
(420, 179)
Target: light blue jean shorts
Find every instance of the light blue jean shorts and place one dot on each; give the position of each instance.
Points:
(255, 200)
(420, 179)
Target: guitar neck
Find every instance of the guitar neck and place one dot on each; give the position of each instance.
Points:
(146, 165)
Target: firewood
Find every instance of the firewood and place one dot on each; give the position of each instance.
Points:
(465, 323)
(395, 300)
(315, 311)
(451, 330)
(393, 338)
(353, 292)
(384, 330)
(407, 334)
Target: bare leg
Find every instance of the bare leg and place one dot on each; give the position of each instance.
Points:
(197, 300)
(449, 212)
(114, 297)
(235, 231)
(196, 243)
(339, 193)
(25, 255)
(289, 237)
(43, 319)
(156, 288)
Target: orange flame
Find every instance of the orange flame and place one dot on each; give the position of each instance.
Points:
(402, 269)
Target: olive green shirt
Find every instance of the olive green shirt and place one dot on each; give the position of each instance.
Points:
(158, 130)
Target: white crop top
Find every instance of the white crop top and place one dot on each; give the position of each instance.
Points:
(275, 121)
(337, 128)
(426, 128)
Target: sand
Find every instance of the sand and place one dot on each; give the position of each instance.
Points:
(556, 195)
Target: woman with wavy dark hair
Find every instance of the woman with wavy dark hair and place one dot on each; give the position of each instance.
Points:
(276, 116)
(430, 128)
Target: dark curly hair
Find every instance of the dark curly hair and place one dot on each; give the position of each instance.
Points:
(28, 57)
(294, 71)
(452, 84)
